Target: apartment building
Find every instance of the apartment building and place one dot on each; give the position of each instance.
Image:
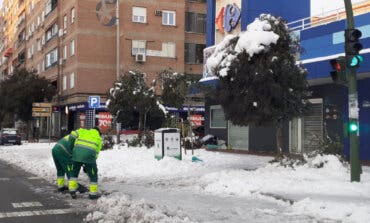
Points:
(74, 44)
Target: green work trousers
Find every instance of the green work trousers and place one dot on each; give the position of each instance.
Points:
(90, 168)
(63, 161)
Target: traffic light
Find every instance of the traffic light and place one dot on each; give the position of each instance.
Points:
(339, 70)
(353, 127)
(353, 47)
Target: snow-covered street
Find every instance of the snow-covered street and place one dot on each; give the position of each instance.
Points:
(222, 188)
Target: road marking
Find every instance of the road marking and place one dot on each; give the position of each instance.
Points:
(27, 204)
(34, 178)
(35, 213)
(4, 179)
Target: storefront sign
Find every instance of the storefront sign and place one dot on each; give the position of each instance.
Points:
(185, 108)
(104, 121)
(228, 18)
(196, 120)
(84, 106)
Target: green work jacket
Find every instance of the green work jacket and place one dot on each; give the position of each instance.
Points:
(87, 146)
(67, 143)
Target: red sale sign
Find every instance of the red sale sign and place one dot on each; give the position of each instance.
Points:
(105, 121)
(196, 120)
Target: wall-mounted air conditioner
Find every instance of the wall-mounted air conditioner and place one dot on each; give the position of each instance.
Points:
(140, 57)
(158, 13)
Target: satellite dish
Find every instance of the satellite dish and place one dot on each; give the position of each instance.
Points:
(105, 12)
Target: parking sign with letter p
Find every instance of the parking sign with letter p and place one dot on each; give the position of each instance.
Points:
(94, 101)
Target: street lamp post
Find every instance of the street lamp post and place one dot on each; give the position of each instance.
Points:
(117, 59)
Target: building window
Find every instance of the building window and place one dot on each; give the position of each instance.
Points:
(139, 14)
(50, 6)
(138, 46)
(51, 58)
(194, 53)
(73, 15)
(65, 52)
(65, 22)
(72, 80)
(195, 22)
(38, 43)
(217, 117)
(169, 49)
(22, 36)
(51, 32)
(169, 18)
(64, 82)
(72, 47)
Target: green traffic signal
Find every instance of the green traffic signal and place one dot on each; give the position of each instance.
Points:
(353, 127)
(356, 61)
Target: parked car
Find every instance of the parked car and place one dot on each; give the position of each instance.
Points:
(10, 136)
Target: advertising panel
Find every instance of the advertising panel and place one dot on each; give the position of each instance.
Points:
(105, 121)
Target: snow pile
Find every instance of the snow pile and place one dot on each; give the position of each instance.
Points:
(34, 158)
(319, 191)
(119, 208)
(350, 212)
(256, 39)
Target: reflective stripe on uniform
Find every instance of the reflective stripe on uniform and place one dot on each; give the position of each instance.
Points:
(70, 168)
(60, 182)
(65, 149)
(72, 184)
(93, 189)
(82, 140)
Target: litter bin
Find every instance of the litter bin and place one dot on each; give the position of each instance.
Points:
(167, 143)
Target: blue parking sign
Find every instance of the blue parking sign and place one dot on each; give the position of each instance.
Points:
(94, 101)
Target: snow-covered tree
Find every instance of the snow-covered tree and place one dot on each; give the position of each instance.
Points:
(175, 88)
(260, 80)
(132, 101)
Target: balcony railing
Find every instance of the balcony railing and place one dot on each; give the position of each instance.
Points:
(328, 17)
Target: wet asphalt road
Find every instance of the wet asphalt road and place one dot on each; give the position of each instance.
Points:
(25, 198)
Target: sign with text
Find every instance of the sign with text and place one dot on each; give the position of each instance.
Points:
(41, 109)
(196, 120)
(94, 101)
(105, 121)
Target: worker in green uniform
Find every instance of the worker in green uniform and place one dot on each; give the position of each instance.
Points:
(85, 152)
(62, 156)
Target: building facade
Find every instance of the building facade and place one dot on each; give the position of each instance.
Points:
(322, 38)
(74, 44)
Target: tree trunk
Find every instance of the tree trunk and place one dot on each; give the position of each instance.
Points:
(140, 127)
(279, 138)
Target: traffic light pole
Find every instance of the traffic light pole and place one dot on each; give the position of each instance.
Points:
(353, 109)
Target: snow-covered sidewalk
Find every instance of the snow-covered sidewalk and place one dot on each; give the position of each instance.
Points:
(222, 188)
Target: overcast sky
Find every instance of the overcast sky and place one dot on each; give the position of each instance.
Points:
(322, 6)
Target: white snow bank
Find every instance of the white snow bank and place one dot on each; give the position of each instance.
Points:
(128, 163)
(328, 187)
(348, 212)
(119, 208)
